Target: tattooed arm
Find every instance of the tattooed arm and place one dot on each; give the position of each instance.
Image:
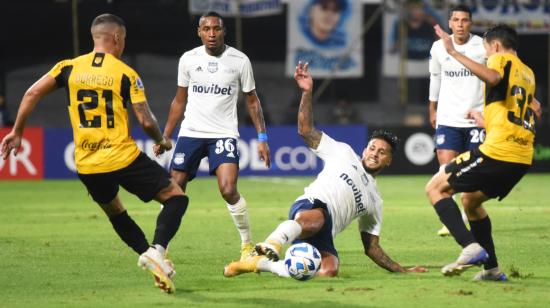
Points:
(256, 114)
(306, 129)
(379, 256)
(149, 124)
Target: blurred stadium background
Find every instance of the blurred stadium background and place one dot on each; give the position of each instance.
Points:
(363, 77)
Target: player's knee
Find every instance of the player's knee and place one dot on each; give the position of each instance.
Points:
(180, 178)
(469, 203)
(229, 193)
(431, 189)
(466, 201)
(169, 191)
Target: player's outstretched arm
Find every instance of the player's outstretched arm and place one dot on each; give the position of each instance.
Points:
(484, 73)
(306, 129)
(39, 89)
(254, 108)
(149, 124)
(374, 251)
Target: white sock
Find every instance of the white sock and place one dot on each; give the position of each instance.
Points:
(240, 218)
(160, 249)
(277, 268)
(286, 232)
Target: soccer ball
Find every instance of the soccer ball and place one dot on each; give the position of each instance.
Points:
(302, 261)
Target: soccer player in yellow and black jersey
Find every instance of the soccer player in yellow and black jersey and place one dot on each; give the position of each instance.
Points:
(101, 88)
(499, 163)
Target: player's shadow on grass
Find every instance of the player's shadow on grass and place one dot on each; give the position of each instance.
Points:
(257, 301)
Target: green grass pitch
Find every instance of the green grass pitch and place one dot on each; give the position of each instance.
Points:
(58, 250)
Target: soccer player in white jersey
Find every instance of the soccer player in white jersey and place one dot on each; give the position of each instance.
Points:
(343, 191)
(209, 80)
(454, 91)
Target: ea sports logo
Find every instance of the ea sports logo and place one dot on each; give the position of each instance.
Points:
(419, 149)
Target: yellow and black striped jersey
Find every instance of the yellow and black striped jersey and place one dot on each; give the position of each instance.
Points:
(509, 120)
(100, 88)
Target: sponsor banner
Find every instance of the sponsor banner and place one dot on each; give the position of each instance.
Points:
(49, 153)
(59, 153)
(28, 164)
(289, 154)
(232, 8)
(326, 35)
(524, 16)
(418, 18)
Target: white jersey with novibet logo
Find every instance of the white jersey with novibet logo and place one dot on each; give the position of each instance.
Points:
(460, 90)
(213, 85)
(348, 191)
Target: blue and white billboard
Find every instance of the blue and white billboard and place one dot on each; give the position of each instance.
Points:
(289, 153)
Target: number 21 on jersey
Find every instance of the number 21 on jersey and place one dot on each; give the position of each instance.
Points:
(89, 100)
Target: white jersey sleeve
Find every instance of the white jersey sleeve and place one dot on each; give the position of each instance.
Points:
(435, 75)
(330, 149)
(247, 77)
(371, 224)
(183, 74)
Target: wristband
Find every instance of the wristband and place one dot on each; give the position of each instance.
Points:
(262, 137)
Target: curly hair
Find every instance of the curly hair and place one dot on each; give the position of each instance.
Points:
(387, 136)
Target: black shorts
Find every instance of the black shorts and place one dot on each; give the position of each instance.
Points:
(143, 178)
(472, 171)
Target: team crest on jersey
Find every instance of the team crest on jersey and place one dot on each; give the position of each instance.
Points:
(440, 139)
(364, 179)
(212, 67)
(139, 83)
(179, 158)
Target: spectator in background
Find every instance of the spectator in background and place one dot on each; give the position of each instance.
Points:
(343, 112)
(5, 119)
(420, 36)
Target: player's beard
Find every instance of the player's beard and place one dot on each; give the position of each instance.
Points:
(371, 171)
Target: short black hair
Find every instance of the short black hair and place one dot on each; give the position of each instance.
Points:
(507, 36)
(211, 14)
(108, 19)
(460, 8)
(387, 136)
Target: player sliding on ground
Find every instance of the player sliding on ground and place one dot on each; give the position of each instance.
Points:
(344, 190)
